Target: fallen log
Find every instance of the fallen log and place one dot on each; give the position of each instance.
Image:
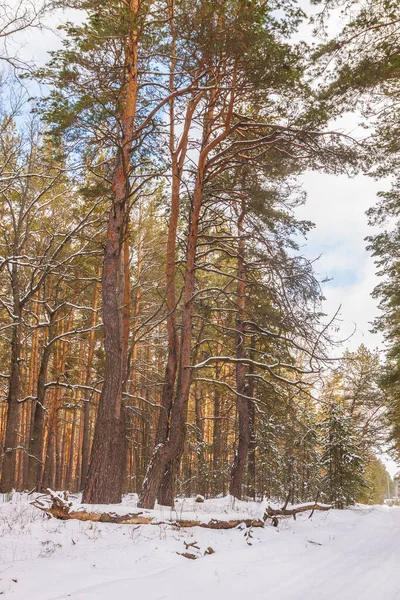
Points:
(61, 509)
(292, 512)
(138, 519)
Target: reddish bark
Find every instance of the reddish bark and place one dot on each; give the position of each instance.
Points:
(105, 477)
(167, 455)
(217, 434)
(178, 156)
(86, 399)
(35, 465)
(172, 448)
(53, 461)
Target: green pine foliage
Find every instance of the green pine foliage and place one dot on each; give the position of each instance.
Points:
(361, 68)
(379, 483)
(306, 443)
(342, 461)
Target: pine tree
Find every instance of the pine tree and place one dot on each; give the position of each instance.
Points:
(341, 460)
(378, 483)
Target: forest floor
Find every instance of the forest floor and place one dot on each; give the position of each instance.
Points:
(349, 554)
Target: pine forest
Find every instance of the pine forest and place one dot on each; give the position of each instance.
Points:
(170, 334)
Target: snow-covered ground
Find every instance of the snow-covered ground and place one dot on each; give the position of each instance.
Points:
(351, 554)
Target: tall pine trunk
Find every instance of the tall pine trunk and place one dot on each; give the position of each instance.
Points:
(53, 459)
(251, 471)
(167, 454)
(242, 403)
(12, 429)
(35, 464)
(105, 479)
(178, 157)
(88, 395)
(166, 491)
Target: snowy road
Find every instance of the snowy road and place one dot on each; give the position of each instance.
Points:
(352, 554)
(359, 559)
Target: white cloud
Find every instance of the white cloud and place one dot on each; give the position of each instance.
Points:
(337, 205)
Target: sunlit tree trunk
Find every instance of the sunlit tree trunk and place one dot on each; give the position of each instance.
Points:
(53, 464)
(167, 455)
(105, 477)
(178, 156)
(35, 465)
(87, 394)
